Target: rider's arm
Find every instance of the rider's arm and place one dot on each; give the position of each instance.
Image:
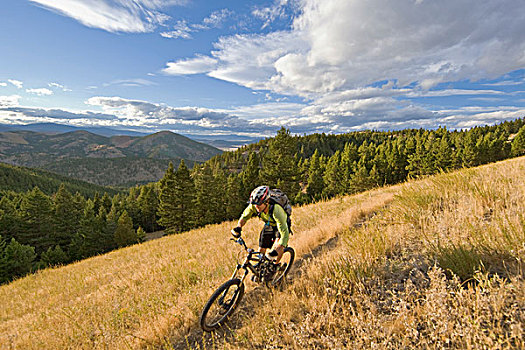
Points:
(280, 217)
(246, 215)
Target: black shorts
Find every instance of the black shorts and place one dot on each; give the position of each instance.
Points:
(268, 236)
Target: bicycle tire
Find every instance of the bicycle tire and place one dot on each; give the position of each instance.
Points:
(209, 322)
(280, 277)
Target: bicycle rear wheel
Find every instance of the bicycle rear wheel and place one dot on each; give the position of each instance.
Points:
(284, 267)
(221, 304)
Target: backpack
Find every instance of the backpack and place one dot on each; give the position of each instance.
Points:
(279, 197)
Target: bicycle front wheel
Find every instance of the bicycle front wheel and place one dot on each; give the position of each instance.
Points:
(221, 304)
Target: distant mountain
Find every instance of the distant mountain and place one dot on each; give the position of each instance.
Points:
(22, 179)
(116, 160)
(228, 145)
(222, 142)
(52, 128)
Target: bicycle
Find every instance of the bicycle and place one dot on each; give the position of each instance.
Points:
(226, 298)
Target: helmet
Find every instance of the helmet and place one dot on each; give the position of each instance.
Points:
(260, 195)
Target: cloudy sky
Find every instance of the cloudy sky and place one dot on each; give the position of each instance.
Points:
(247, 67)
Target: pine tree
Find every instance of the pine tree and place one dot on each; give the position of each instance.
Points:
(184, 190)
(55, 256)
(518, 143)
(349, 158)
(9, 220)
(397, 162)
(315, 177)
(125, 234)
(361, 180)
(204, 189)
(108, 223)
(97, 202)
(235, 201)
(91, 232)
(279, 163)
(106, 202)
(148, 203)
(141, 235)
(444, 152)
(168, 200)
(250, 175)
(67, 215)
(36, 221)
(380, 173)
(131, 205)
(416, 166)
(469, 154)
(333, 176)
(16, 260)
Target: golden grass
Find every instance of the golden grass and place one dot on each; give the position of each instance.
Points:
(441, 267)
(150, 295)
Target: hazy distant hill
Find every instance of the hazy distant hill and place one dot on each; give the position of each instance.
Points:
(115, 161)
(222, 142)
(53, 128)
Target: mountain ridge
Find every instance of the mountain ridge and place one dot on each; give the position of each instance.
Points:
(75, 152)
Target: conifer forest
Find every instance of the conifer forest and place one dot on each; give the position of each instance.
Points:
(40, 227)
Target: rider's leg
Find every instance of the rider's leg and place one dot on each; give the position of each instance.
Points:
(280, 251)
(266, 238)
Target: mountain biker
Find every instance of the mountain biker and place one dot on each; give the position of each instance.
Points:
(275, 224)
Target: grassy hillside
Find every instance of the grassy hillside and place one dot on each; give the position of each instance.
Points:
(384, 282)
(21, 179)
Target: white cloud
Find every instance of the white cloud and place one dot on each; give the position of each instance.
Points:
(337, 49)
(58, 86)
(40, 92)
(506, 83)
(199, 64)
(271, 13)
(3, 84)
(16, 83)
(249, 60)
(266, 110)
(9, 101)
(132, 16)
(131, 82)
(214, 20)
(368, 41)
(263, 120)
(452, 92)
(183, 30)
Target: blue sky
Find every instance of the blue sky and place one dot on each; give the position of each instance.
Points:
(246, 68)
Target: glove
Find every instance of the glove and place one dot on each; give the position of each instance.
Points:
(236, 232)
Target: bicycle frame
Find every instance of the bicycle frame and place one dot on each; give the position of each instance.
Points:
(248, 266)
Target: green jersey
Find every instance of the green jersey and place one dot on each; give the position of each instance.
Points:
(277, 219)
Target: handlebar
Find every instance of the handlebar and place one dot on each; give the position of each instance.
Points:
(240, 241)
(250, 251)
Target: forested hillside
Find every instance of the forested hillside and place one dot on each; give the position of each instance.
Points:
(65, 227)
(122, 172)
(21, 179)
(39, 230)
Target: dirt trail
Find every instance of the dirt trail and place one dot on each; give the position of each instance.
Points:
(198, 339)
